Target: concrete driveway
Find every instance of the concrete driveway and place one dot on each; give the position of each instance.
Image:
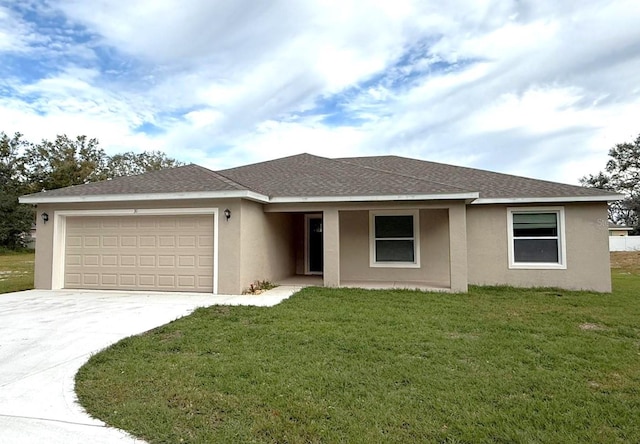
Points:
(46, 336)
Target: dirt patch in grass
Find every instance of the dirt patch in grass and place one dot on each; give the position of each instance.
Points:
(591, 326)
(626, 260)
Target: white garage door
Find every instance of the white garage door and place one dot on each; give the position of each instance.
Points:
(166, 253)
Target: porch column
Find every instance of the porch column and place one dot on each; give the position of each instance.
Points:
(458, 247)
(331, 242)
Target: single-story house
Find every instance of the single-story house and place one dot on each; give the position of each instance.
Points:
(364, 221)
(619, 230)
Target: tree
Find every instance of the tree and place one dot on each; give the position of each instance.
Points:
(622, 175)
(15, 219)
(65, 162)
(129, 164)
(62, 163)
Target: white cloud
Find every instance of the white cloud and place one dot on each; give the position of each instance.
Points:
(541, 88)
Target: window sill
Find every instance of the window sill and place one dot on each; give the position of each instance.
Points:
(394, 265)
(536, 266)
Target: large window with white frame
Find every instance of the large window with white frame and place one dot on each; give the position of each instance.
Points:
(394, 239)
(536, 238)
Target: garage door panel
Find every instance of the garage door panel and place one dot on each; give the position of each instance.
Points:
(128, 222)
(146, 223)
(73, 279)
(172, 253)
(128, 241)
(147, 280)
(186, 241)
(73, 259)
(205, 261)
(109, 222)
(74, 241)
(166, 261)
(167, 223)
(90, 279)
(109, 260)
(91, 260)
(109, 279)
(147, 242)
(109, 241)
(127, 260)
(90, 241)
(127, 280)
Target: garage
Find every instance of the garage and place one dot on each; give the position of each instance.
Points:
(140, 252)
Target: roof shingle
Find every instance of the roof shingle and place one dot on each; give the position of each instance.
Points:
(183, 179)
(305, 176)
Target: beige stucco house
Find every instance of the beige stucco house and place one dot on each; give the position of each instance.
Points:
(366, 221)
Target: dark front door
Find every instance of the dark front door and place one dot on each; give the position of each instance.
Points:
(315, 245)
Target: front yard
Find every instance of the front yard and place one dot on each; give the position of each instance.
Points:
(329, 365)
(16, 270)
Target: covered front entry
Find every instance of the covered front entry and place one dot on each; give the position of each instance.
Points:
(149, 252)
(430, 253)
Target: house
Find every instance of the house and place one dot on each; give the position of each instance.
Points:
(363, 221)
(619, 230)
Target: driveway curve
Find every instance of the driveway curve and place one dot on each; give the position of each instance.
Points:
(46, 336)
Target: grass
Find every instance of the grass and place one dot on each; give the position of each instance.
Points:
(16, 270)
(495, 365)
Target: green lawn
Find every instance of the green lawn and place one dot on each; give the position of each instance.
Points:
(495, 365)
(16, 270)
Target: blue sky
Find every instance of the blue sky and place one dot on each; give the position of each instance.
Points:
(537, 88)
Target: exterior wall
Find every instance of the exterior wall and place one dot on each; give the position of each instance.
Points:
(434, 251)
(228, 236)
(267, 245)
(586, 242)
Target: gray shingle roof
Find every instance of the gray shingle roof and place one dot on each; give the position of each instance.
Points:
(183, 179)
(490, 185)
(305, 176)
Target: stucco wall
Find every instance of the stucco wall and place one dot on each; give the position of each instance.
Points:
(267, 251)
(434, 250)
(228, 237)
(586, 243)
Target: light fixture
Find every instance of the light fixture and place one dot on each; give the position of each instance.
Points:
(45, 217)
(227, 213)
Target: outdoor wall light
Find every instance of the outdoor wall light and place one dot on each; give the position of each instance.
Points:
(45, 217)
(227, 213)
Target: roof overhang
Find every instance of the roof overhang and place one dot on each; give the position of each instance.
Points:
(375, 198)
(538, 200)
(469, 197)
(42, 198)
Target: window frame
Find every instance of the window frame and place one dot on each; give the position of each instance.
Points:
(562, 248)
(416, 239)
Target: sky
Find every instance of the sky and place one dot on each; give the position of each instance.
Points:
(539, 88)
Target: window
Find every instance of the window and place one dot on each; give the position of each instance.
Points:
(536, 237)
(393, 239)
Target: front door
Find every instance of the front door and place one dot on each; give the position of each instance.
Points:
(314, 245)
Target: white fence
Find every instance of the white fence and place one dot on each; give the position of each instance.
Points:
(624, 243)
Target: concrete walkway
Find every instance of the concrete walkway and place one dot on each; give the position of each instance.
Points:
(46, 336)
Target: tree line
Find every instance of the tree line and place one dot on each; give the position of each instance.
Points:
(622, 175)
(27, 167)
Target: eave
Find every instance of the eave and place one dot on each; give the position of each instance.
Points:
(42, 198)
